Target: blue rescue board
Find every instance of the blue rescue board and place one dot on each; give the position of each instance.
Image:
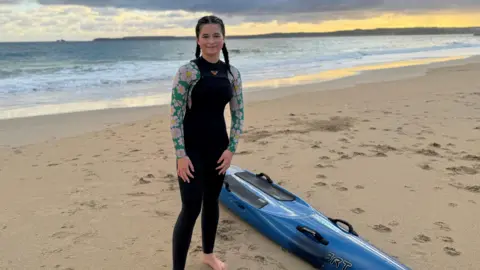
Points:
(286, 219)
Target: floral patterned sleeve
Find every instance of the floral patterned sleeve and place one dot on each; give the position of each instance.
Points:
(178, 105)
(236, 111)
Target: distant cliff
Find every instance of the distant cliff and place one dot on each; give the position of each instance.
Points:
(357, 32)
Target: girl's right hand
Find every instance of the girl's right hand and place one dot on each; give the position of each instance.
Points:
(185, 168)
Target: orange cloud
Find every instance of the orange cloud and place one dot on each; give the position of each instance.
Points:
(386, 20)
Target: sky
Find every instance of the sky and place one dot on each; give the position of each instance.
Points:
(49, 20)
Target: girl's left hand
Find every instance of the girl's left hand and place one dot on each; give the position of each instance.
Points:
(225, 161)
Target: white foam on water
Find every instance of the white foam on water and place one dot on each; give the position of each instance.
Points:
(92, 105)
(32, 87)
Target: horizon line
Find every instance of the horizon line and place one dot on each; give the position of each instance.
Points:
(347, 32)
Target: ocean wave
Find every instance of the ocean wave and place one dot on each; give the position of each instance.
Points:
(84, 76)
(81, 68)
(449, 45)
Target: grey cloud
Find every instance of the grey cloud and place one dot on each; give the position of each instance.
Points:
(227, 6)
(3, 2)
(430, 4)
(250, 7)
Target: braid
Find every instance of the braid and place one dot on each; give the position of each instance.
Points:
(197, 52)
(225, 55)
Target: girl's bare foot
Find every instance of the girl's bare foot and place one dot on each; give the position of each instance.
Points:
(214, 262)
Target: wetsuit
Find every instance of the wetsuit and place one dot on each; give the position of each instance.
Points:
(201, 92)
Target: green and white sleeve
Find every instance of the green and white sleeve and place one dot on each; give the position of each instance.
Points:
(236, 111)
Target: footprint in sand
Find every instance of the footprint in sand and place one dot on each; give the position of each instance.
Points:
(380, 154)
(451, 251)
(421, 238)
(425, 166)
(159, 213)
(315, 146)
(343, 156)
(252, 247)
(62, 235)
(394, 223)
(171, 180)
(339, 186)
(427, 152)
(321, 166)
(356, 154)
(470, 157)
(442, 226)
(382, 228)
(474, 189)
(92, 204)
(320, 184)
(139, 194)
(462, 170)
(446, 239)
(143, 180)
(435, 145)
(358, 211)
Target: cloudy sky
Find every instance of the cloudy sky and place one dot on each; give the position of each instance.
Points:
(43, 20)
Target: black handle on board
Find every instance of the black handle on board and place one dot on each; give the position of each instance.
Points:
(350, 227)
(313, 233)
(263, 175)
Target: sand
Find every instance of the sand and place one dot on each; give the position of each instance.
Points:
(398, 158)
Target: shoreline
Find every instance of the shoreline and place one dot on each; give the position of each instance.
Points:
(162, 97)
(14, 132)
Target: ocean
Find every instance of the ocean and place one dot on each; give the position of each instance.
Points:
(45, 78)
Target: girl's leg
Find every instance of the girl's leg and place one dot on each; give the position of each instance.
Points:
(191, 196)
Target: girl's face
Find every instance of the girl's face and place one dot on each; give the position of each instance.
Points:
(210, 39)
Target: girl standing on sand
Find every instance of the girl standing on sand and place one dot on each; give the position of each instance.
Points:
(201, 90)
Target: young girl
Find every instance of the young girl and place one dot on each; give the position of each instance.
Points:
(201, 90)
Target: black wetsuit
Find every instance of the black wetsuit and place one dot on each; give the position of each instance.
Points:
(206, 138)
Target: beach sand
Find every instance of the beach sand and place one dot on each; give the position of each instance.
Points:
(398, 159)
